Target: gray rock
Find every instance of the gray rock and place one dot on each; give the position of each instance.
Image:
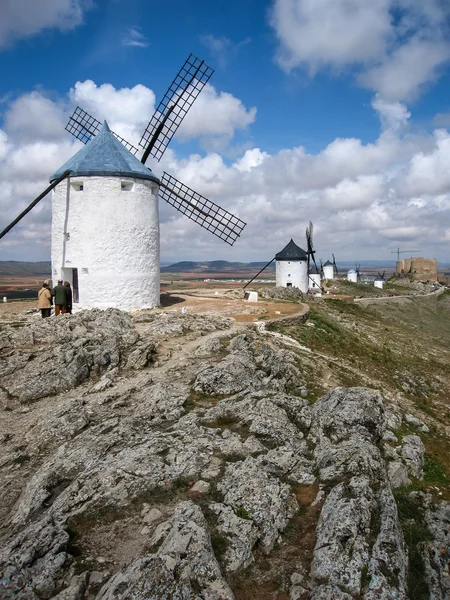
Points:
(329, 592)
(52, 355)
(252, 492)
(183, 567)
(251, 365)
(437, 550)
(388, 564)
(342, 549)
(413, 452)
(412, 420)
(398, 474)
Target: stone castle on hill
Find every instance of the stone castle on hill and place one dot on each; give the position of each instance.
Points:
(418, 268)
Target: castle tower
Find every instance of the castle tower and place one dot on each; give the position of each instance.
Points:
(105, 227)
(292, 267)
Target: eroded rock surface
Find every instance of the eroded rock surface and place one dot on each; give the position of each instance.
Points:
(165, 455)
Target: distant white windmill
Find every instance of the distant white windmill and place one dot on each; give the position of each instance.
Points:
(292, 267)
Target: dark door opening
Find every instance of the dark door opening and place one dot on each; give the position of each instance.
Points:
(75, 291)
(289, 284)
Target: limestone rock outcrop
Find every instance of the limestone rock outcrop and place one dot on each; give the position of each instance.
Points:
(166, 455)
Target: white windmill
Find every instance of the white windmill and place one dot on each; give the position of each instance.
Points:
(379, 280)
(105, 224)
(292, 267)
(330, 270)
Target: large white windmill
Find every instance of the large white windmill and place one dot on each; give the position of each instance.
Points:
(105, 224)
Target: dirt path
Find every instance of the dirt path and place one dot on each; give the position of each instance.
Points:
(387, 298)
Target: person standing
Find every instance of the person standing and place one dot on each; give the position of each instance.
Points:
(45, 300)
(68, 291)
(59, 293)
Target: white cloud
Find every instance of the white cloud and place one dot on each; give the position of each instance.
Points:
(407, 70)
(395, 47)
(33, 116)
(127, 110)
(364, 199)
(429, 172)
(251, 159)
(4, 146)
(215, 114)
(394, 115)
(337, 32)
(222, 48)
(133, 37)
(24, 18)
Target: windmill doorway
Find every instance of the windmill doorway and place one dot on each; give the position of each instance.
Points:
(71, 275)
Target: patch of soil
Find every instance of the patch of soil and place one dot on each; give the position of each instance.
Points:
(269, 576)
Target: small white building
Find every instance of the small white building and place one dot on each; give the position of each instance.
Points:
(292, 267)
(105, 227)
(328, 270)
(352, 275)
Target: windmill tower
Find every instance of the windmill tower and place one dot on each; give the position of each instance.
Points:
(328, 270)
(292, 267)
(352, 276)
(105, 225)
(379, 281)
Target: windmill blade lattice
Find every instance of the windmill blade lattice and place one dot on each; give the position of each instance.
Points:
(182, 92)
(199, 209)
(84, 126)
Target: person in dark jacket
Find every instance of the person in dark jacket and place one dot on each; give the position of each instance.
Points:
(68, 291)
(59, 293)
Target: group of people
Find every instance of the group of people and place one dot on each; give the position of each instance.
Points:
(61, 295)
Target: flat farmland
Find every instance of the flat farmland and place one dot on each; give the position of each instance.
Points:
(20, 286)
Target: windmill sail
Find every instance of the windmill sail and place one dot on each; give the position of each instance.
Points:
(206, 213)
(199, 209)
(170, 112)
(84, 127)
(310, 247)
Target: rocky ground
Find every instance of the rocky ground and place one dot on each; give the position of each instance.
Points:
(192, 456)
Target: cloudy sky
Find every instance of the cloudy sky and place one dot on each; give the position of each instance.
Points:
(334, 111)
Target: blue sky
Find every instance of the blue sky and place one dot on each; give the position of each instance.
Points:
(330, 110)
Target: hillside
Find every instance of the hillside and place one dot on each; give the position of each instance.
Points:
(230, 452)
(17, 268)
(215, 266)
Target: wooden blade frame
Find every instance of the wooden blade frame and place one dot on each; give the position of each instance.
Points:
(199, 209)
(178, 99)
(83, 126)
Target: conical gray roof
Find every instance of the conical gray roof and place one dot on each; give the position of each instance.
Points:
(328, 264)
(104, 155)
(291, 252)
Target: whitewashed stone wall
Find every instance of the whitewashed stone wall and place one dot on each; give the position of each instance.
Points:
(294, 272)
(328, 272)
(111, 236)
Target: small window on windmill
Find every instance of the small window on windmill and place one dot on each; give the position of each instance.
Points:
(78, 186)
(127, 186)
(84, 270)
